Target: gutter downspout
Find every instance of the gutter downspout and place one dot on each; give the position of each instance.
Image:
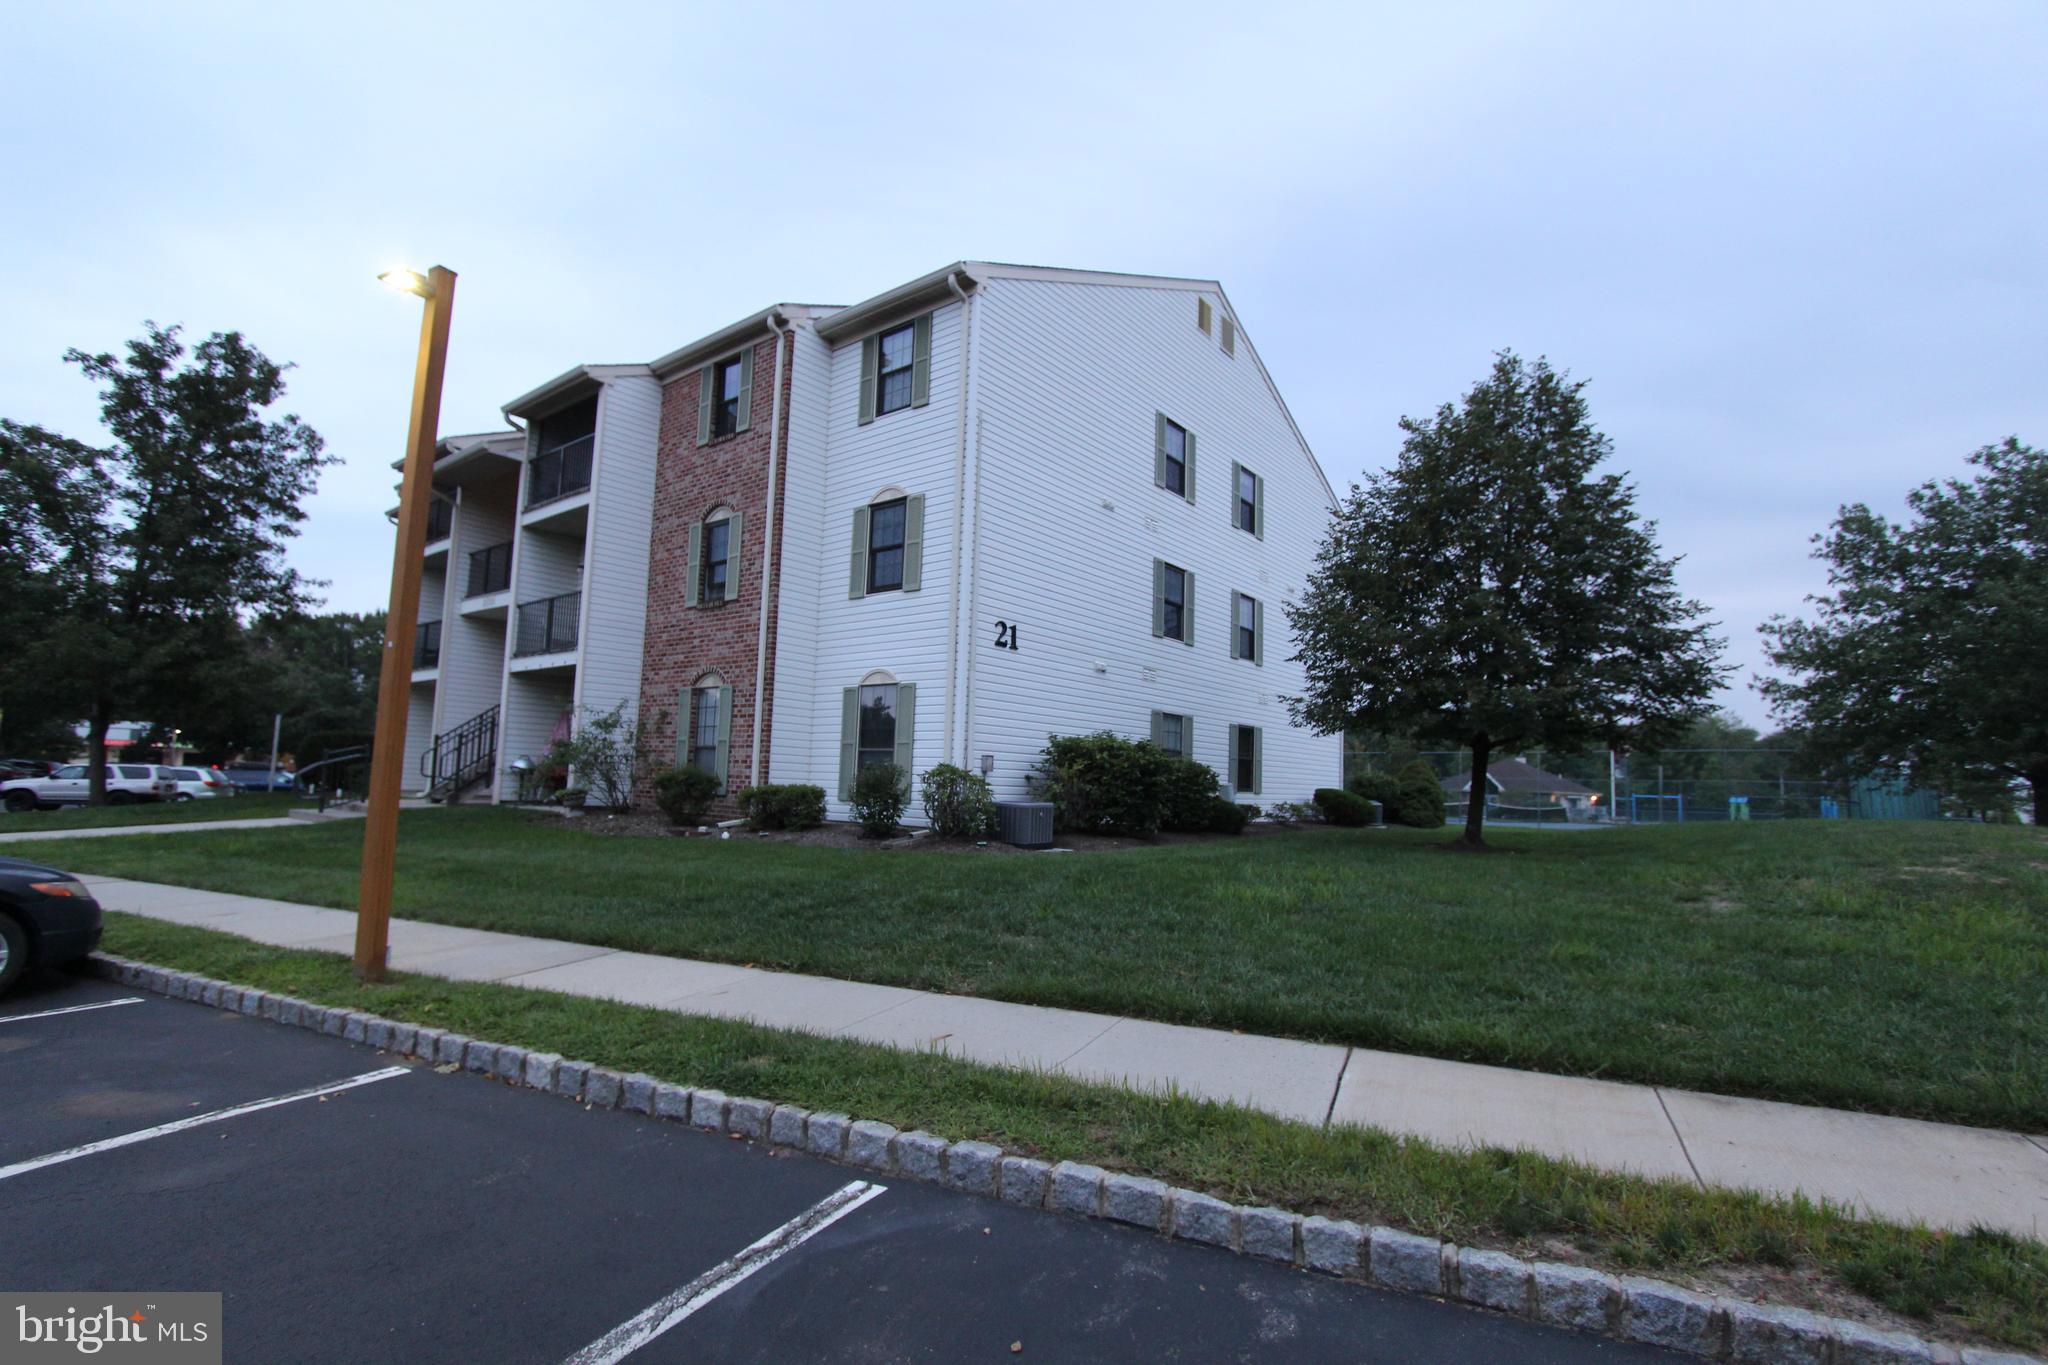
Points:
(768, 547)
(959, 512)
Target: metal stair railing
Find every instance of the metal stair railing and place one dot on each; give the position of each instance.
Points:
(461, 756)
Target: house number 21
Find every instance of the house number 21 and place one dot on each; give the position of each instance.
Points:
(1006, 636)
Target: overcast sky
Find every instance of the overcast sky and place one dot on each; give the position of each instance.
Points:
(1798, 249)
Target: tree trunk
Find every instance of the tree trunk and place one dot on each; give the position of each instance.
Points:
(96, 754)
(2037, 778)
(1475, 799)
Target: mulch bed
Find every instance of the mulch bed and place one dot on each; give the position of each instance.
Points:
(835, 834)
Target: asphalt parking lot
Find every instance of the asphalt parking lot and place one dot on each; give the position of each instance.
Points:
(352, 1207)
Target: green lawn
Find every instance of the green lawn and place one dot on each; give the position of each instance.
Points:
(1984, 1282)
(1896, 967)
(254, 806)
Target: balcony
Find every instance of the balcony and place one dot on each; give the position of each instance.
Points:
(440, 519)
(490, 570)
(559, 473)
(426, 645)
(547, 626)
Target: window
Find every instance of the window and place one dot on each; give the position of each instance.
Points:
(877, 726)
(1202, 314)
(136, 770)
(1247, 623)
(71, 772)
(1248, 509)
(898, 354)
(885, 545)
(1173, 603)
(182, 774)
(725, 397)
(1244, 758)
(716, 538)
(704, 729)
(1176, 480)
(1174, 733)
(896, 369)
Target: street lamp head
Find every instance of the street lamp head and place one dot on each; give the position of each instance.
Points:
(407, 281)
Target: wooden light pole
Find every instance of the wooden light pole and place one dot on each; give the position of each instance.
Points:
(394, 684)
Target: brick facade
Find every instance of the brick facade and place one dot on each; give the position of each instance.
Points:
(684, 643)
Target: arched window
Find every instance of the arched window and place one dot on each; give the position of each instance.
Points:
(878, 725)
(714, 570)
(704, 739)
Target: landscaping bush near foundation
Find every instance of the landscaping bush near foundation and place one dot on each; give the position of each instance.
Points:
(1341, 807)
(795, 805)
(881, 793)
(959, 803)
(684, 792)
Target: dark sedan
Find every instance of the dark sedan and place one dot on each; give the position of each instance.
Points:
(47, 918)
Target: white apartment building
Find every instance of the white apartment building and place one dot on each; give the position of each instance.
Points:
(989, 505)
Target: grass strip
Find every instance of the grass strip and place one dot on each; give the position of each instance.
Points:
(247, 806)
(1983, 1282)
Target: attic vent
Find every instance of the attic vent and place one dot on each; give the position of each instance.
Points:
(1203, 314)
(1229, 337)
(1151, 674)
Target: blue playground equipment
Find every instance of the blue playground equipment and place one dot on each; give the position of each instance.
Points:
(1657, 816)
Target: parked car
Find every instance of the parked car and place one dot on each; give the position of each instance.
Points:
(196, 782)
(29, 767)
(70, 785)
(255, 777)
(47, 918)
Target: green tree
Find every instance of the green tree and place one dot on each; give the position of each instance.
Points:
(192, 504)
(1492, 592)
(1926, 658)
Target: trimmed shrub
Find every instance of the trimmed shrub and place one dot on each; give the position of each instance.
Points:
(959, 803)
(684, 793)
(1227, 817)
(1412, 796)
(1105, 784)
(1420, 800)
(795, 805)
(1341, 807)
(881, 792)
(1188, 792)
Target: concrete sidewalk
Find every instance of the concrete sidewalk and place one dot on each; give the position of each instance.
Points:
(168, 827)
(1902, 1169)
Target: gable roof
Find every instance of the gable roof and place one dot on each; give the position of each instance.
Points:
(1513, 775)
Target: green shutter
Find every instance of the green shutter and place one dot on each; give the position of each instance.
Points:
(1230, 761)
(1188, 483)
(1259, 506)
(921, 361)
(1159, 450)
(746, 390)
(849, 739)
(1187, 737)
(1258, 760)
(1159, 598)
(913, 542)
(1236, 473)
(870, 358)
(1259, 631)
(704, 406)
(906, 728)
(1202, 312)
(1236, 597)
(732, 557)
(1187, 607)
(693, 579)
(1159, 729)
(683, 725)
(857, 577)
(724, 733)
(1229, 337)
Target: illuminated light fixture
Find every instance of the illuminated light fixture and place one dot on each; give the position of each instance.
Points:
(407, 281)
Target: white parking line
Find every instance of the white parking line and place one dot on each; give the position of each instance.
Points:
(72, 1009)
(165, 1129)
(664, 1313)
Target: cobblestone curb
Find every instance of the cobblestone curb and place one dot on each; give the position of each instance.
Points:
(1631, 1307)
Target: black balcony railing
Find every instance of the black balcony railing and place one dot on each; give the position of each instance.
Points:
(561, 472)
(490, 570)
(440, 519)
(547, 626)
(426, 645)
